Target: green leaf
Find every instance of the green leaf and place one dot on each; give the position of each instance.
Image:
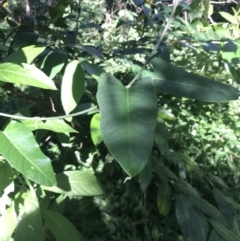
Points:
(61, 228)
(30, 226)
(223, 231)
(208, 209)
(128, 120)
(92, 69)
(24, 39)
(145, 176)
(25, 55)
(230, 18)
(214, 236)
(177, 81)
(59, 126)
(188, 220)
(25, 74)
(186, 188)
(6, 176)
(76, 183)
(8, 222)
(164, 199)
(54, 62)
(95, 130)
(218, 180)
(22, 152)
(73, 85)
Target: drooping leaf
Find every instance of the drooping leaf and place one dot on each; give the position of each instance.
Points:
(59, 126)
(226, 233)
(177, 81)
(92, 69)
(186, 188)
(25, 55)
(6, 176)
(218, 180)
(145, 176)
(188, 220)
(54, 62)
(61, 228)
(25, 74)
(95, 130)
(76, 183)
(208, 209)
(30, 225)
(164, 199)
(22, 152)
(73, 85)
(8, 222)
(128, 119)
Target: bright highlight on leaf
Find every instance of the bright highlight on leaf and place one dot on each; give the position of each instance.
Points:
(128, 119)
(95, 129)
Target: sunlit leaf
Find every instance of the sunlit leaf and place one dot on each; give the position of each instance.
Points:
(95, 129)
(128, 119)
(22, 152)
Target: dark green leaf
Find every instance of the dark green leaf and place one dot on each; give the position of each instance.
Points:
(164, 199)
(145, 176)
(6, 175)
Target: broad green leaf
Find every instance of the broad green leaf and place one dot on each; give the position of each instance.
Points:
(230, 18)
(25, 74)
(208, 209)
(22, 152)
(30, 225)
(61, 228)
(25, 55)
(92, 69)
(224, 206)
(186, 188)
(128, 119)
(164, 199)
(188, 220)
(59, 126)
(214, 236)
(76, 183)
(227, 234)
(177, 81)
(8, 222)
(145, 176)
(73, 84)
(95, 130)
(23, 39)
(54, 62)
(6, 176)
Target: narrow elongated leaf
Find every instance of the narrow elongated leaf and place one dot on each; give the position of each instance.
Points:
(230, 18)
(164, 199)
(59, 126)
(223, 231)
(61, 228)
(208, 209)
(177, 81)
(145, 176)
(186, 188)
(128, 119)
(21, 150)
(214, 236)
(188, 220)
(54, 62)
(73, 84)
(76, 183)
(25, 55)
(30, 225)
(25, 74)
(95, 129)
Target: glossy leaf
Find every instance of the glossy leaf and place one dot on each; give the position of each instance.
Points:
(128, 119)
(76, 183)
(73, 85)
(6, 176)
(54, 62)
(25, 55)
(30, 225)
(223, 231)
(188, 220)
(177, 81)
(8, 222)
(95, 130)
(22, 152)
(164, 199)
(59, 126)
(208, 209)
(61, 228)
(25, 74)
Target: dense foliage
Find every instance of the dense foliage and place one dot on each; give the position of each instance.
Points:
(112, 129)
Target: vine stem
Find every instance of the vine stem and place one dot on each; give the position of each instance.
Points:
(154, 51)
(18, 117)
